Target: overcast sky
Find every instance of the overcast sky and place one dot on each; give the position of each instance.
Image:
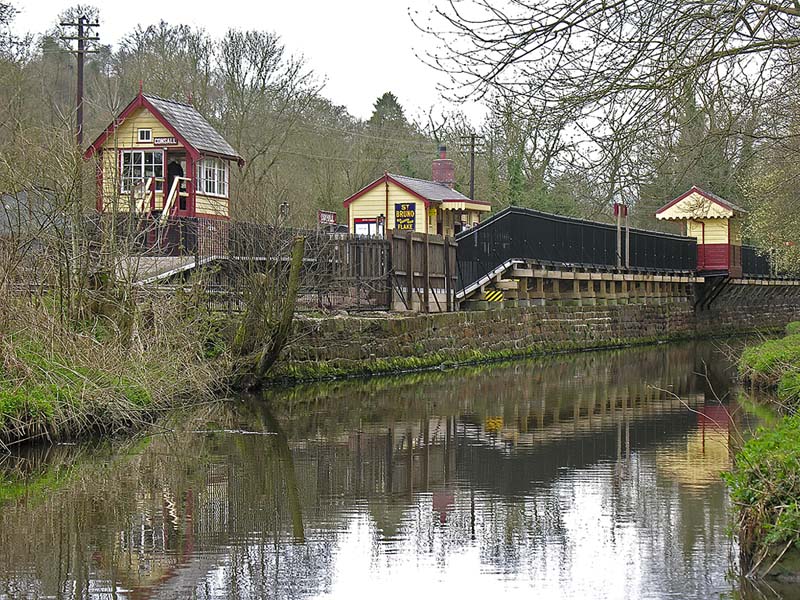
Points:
(361, 48)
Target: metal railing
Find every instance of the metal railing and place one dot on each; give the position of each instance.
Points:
(525, 234)
(754, 263)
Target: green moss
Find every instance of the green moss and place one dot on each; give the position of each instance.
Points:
(297, 372)
(793, 328)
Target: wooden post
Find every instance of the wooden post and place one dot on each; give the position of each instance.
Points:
(426, 273)
(410, 269)
(358, 262)
(447, 282)
(388, 266)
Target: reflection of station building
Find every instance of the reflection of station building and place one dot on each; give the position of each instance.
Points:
(707, 452)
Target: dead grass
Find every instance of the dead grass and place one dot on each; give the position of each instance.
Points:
(104, 374)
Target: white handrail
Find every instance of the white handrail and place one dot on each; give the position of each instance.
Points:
(145, 184)
(173, 193)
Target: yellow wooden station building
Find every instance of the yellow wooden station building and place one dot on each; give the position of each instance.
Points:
(161, 157)
(717, 226)
(397, 202)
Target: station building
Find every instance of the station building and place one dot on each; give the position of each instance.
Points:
(397, 202)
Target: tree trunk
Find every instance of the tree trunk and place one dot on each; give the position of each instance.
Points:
(279, 337)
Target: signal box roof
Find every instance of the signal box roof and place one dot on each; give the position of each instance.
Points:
(184, 121)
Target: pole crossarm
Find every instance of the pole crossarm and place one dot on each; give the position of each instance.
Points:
(84, 35)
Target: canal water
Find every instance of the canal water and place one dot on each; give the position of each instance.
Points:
(594, 475)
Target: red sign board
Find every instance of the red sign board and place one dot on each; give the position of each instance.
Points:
(326, 217)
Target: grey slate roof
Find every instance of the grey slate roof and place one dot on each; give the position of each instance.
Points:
(430, 189)
(192, 126)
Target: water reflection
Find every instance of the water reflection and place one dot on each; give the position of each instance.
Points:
(587, 476)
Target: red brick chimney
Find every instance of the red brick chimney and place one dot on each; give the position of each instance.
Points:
(443, 170)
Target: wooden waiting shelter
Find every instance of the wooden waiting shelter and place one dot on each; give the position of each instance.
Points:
(717, 226)
(161, 157)
(397, 202)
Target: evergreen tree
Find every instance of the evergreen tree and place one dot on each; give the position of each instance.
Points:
(388, 113)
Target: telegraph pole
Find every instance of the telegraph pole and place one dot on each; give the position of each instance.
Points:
(78, 261)
(472, 166)
(471, 138)
(84, 26)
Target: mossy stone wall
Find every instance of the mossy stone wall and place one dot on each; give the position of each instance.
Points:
(352, 345)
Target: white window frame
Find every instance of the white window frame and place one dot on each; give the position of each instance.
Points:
(149, 134)
(212, 177)
(127, 183)
(367, 227)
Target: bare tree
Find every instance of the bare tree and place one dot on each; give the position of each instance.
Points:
(611, 71)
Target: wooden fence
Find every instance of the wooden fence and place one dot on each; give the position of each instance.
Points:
(424, 274)
(404, 271)
(346, 271)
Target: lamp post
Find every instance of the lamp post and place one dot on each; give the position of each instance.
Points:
(381, 224)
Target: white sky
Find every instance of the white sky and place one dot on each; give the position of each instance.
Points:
(361, 48)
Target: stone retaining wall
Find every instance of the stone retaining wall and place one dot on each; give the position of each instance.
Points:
(346, 344)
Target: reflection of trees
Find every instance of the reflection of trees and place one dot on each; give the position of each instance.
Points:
(163, 519)
(485, 457)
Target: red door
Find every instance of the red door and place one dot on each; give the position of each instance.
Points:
(701, 249)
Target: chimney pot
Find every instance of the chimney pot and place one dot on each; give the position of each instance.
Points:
(443, 169)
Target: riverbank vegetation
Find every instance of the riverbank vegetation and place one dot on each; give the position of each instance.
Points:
(765, 481)
(776, 364)
(765, 487)
(63, 379)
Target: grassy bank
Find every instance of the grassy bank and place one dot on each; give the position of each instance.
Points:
(765, 481)
(776, 364)
(101, 375)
